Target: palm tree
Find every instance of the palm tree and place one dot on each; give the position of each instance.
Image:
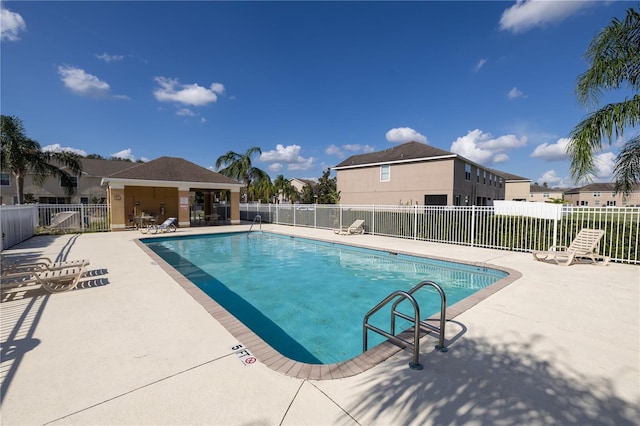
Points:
(22, 155)
(238, 167)
(614, 57)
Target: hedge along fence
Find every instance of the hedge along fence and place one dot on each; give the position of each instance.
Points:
(486, 226)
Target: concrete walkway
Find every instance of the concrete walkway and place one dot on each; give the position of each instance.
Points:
(560, 345)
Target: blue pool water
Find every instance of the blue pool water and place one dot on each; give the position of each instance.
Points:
(307, 298)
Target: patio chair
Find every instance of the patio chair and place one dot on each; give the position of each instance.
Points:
(585, 245)
(52, 280)
(168, 225)
(355, 228)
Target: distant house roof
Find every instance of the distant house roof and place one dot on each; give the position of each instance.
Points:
(172, 170)
(407, 152)
(541, 188)
(309, 182)
(100, 167)
(598, 187)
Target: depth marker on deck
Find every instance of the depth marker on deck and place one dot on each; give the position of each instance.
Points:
(243, 354)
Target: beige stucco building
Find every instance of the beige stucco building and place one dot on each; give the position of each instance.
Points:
(545, 194)
(415, 173)
(88, 185)
(601, 194)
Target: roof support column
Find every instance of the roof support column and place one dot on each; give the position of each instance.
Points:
(184, 220)
(235, 207)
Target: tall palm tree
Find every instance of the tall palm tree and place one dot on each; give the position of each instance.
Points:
(614, 57)
(22, 155)
(239, 167)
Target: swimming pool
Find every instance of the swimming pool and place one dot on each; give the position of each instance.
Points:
(307, 298)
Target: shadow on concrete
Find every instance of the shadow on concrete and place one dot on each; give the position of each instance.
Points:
(21, 318)
(481, 382)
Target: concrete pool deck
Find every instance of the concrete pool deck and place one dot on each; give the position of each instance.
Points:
(560, 345)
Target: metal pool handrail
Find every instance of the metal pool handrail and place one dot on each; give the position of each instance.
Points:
(259, 219)
(408, 295)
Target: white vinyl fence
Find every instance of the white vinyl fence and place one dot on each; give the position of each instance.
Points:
(516, 226)
(17, 223)
(23, 221)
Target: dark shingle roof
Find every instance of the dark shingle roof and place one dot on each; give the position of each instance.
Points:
(542, 188)
(406, 151)
(99, 168)
(172, 169)
(507, 176)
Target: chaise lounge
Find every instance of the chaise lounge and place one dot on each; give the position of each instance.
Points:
(585, 245)
(355, 228)
(52, 280)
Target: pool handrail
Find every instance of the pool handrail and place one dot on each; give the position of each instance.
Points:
(259, 219)
(400, 296)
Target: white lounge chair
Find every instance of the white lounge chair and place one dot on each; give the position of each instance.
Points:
(168, 225)
(355, 228)
(39, 264)
(585, 245)
(52, 280)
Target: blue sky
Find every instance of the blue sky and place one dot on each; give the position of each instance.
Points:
(310, 83)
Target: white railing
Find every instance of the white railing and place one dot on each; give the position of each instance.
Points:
(17, 223)
(73, 218)
(504, 226)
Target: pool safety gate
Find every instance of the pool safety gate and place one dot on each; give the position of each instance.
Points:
(400, 296)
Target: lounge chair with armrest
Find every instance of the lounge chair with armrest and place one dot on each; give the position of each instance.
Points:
(52, 280)
(355, 228)
(585, 245)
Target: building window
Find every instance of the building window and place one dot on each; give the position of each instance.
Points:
(484, 177)
(5, 179)
(385, 173)
(74, 181)
(545, 195)
(611, 203)
(597, 202)
(500, 182)
(596, 194)
(490, 179)
(478, 176)
(467, 172)
(84, 200)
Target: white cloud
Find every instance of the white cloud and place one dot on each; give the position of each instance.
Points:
(171, 90)
(528, 14)
(405, 134)
(125, 154)
(552, 152)
(551, 178)
(485, 149)
(109, 58)
(515, 93)
(480, 64)
(501, 158)
(358, 148)
(185, 111)
(275, 167)
(604, 164)
(11, 25)
(289, 155)
(353, 148)
(56, 147)
(82, 83)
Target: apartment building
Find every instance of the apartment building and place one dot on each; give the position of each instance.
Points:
(415, 173)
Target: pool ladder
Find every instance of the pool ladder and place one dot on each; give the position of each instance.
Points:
(400, 296)
(258, 218)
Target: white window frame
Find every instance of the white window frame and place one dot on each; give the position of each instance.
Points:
(385, 171)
